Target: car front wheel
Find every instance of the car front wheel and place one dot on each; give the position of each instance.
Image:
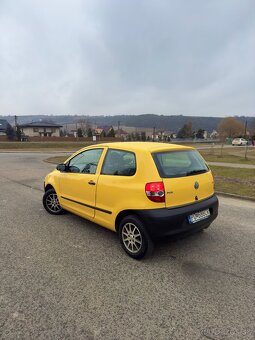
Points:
(51, 203)
(134, 237)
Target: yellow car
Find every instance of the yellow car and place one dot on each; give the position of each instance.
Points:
(141, 190)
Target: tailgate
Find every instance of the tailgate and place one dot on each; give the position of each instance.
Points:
(185, 190)
(185, 175)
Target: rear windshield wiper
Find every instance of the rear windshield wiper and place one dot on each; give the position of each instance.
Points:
(195, 172)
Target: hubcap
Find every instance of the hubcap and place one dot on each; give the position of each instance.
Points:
(131, 237)
(53, 203)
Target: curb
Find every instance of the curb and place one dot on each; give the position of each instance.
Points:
(37, 152)
(224, 194)
(232, 165)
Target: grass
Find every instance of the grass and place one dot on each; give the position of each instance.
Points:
(229, 156)
(234, 180)
(57, 145)
(56, 159)
(213, 153)
(228, 180)
(43, 145)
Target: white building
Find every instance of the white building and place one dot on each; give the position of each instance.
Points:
(40, 129)
(3, 127)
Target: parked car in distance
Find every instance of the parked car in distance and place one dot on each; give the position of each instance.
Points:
(239, 142)
(142, 191)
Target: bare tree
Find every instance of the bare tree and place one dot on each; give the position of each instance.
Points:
(230, 127)
(252, 130)
(84, 125)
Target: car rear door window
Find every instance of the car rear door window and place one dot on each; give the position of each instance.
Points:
(119, 163)
(179, 163)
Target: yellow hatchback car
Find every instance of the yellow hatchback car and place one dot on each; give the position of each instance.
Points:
(141, 190)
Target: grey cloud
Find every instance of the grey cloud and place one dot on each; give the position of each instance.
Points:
(109, 57)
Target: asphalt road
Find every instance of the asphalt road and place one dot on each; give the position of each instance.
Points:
(65, 278)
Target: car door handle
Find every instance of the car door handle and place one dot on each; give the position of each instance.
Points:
(92, 182)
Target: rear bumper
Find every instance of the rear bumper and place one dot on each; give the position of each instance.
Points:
(166, 222)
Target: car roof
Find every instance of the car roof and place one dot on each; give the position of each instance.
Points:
(144, 146)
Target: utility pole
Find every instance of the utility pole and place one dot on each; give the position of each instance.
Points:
(118, 128)
(15, 123)
(246, 146)
(154, 131)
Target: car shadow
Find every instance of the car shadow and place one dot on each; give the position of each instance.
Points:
(86, 233)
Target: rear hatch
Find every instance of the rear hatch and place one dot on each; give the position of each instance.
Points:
(185, 175)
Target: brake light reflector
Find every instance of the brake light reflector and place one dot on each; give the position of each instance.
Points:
(155, 191)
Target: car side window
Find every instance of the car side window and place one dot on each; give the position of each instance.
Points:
(119, 163)
(85, 162)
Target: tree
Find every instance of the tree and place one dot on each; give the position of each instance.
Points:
(89, 132)
(230, 127)
(111, 133)
(79, 132)
(137, 136)
(185, 131)
(200, 134)
(143, 136)
(252, 133)
(84, 125)
(18, 133)
(10, 132)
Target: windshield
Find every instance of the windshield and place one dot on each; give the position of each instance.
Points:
(179, 163)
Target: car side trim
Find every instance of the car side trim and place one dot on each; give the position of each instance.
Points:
(87, 205)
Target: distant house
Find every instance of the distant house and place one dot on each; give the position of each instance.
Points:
(163, 135)
(214, 134)
(205, 134)
(122, 133)
(3, 127)
(41, 129)
(99, 132)
(102, 131)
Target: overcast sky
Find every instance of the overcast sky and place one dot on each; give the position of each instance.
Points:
(190, 57)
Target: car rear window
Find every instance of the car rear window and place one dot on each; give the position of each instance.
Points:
(119, 163)
(179, 163)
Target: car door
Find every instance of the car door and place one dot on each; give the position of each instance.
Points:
(78, 184)
(115, 185)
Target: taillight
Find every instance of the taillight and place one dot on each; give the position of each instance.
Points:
(155, 191)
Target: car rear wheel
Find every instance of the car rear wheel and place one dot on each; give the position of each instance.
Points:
(51, 203)
(134, 237)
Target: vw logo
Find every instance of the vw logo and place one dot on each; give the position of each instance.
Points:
(196, 185)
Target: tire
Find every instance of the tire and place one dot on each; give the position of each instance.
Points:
(51, 203)
(134, 238)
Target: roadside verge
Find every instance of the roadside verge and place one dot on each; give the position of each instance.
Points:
(224, 194)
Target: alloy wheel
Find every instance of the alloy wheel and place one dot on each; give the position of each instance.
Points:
(53, 203)
(132, 238)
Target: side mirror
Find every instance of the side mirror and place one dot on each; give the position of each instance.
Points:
(61, 167)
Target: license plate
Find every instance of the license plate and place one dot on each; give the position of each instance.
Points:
(199, 216)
